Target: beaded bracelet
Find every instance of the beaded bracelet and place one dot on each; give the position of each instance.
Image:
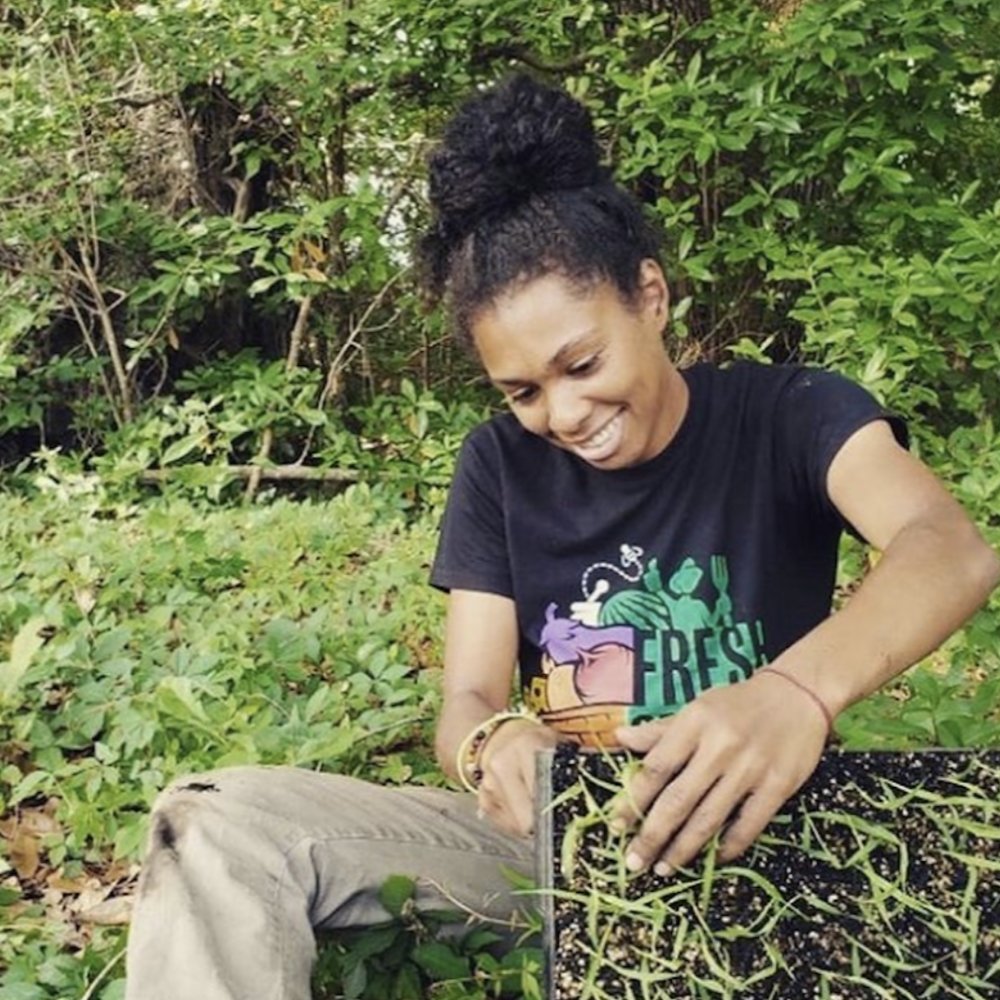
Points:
(468, 762)
(820, 704)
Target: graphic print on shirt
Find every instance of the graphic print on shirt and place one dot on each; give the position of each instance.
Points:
(640, 644)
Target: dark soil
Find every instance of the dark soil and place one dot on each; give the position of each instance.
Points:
(881, 878)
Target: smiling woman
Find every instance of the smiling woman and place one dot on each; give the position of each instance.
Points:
(584, 367)
(646, 543)
(653, 550)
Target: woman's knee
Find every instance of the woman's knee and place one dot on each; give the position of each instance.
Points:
(195, 799)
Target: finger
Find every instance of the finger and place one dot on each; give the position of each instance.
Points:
(668, 813)
(509, 798)
(659, 769)
(519, 766)
(704, 821)
(494, 807)
(643, 737)
(754, 814)
(522, 807)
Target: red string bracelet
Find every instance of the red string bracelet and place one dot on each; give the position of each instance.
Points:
(805, 690)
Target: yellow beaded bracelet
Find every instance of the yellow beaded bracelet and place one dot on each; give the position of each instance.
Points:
(468, 761)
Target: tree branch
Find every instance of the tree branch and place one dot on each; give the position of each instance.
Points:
(291, 363)
(274, 473)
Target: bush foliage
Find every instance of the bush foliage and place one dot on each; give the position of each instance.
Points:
(188, 180)
(206, 211)
(150, 642)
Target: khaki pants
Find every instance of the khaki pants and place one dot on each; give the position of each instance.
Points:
(244, 863)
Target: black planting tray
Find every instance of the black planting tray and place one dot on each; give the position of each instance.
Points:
(880, 878)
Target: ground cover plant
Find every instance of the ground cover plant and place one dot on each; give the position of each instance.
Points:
(149, 641)
(205, 211)
(879, 878)
(207, 206)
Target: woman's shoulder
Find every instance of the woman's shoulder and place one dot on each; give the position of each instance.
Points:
(757, 385)
(754, 374)
(499, 433)
(501, 443)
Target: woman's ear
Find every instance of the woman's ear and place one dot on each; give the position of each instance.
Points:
(653, 293)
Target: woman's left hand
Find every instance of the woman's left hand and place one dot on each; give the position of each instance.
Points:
(733, 756)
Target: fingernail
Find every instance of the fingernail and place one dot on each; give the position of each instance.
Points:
(663, 869)
(617, 825)
(633, 862)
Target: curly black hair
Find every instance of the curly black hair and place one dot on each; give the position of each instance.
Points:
(517, 191)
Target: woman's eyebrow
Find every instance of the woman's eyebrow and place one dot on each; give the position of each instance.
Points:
(558, 360)
(567, 350)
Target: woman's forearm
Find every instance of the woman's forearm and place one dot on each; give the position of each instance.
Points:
(460, 714)
(935, 573)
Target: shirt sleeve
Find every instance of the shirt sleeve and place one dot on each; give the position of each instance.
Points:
(818, 412)
(472, 551)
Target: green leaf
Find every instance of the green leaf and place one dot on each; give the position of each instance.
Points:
(252, 164)
(130, 838)
(176, 697)
(440, 961)
(28, 641)
(479, 938)
(744, 205)
(182, 448)
(852, 181)
(395, 891)
(693, 69)
(970, 191)
(788, 208)
(704, 150)
(408, 985)
(376, 941)
(685, 243)
(30, 785)
(899, 79)
(261, 285)
(8, 895)
(682, 308)
(355, 982)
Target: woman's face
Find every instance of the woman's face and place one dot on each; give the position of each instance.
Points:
(585, 370)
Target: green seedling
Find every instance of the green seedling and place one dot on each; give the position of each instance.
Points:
(865, 886)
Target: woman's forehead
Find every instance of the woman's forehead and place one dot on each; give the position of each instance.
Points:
(542, 324)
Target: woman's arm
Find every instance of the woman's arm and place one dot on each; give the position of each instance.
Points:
(480, 649)
(935, 571)
(750, 746)
(480, 654)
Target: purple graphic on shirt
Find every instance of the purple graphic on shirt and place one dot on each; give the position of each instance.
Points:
(603, 657)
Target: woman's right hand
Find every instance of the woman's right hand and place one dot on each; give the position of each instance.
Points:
(507, 791)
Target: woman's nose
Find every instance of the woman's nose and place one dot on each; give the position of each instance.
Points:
(567, 412)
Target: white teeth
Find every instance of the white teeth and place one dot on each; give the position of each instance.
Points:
(603, 436)
(600, 437)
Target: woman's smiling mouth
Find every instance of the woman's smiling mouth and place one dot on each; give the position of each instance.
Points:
(601, 445)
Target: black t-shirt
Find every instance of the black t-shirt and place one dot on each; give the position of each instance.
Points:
(636, 589)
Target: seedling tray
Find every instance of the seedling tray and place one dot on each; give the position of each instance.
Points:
(879, 879)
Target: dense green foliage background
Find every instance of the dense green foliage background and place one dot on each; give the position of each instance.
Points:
(206, 211)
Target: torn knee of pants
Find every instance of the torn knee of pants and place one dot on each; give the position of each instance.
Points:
(164, 834)
(197, 786)
(171, 818)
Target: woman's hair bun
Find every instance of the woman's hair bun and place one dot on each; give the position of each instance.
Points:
(519, 139)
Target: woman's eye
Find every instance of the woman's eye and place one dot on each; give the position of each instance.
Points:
(584, 367)
(522, 396)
